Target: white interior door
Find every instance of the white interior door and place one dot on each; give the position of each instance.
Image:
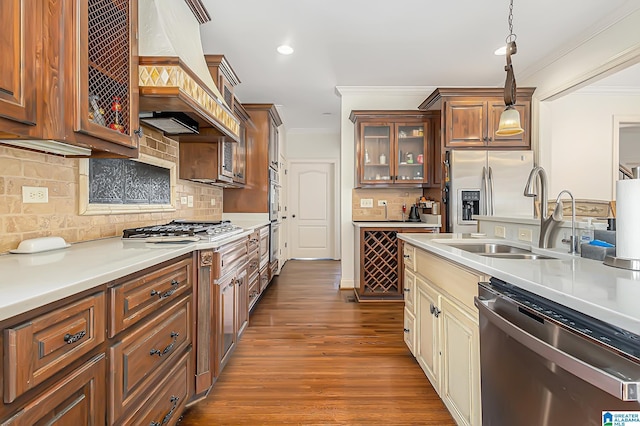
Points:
(311, 208)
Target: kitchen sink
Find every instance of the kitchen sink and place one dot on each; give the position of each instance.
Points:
(499, 251)
(489, 248)
(526, 256)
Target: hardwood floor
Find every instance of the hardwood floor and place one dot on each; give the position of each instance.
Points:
(311, 357)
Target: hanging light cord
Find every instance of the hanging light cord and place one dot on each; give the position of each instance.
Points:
(510, 82)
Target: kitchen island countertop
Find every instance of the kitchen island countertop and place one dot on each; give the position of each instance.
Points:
(609, 294)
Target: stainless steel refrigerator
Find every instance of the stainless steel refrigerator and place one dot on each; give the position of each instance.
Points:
(487, 183)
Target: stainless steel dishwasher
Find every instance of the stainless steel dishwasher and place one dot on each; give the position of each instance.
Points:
(545, 364)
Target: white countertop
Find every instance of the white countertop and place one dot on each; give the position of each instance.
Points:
(588, 286)
(28, 281)
(395, 225)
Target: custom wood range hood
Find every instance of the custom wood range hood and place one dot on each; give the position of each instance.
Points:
(174, 78)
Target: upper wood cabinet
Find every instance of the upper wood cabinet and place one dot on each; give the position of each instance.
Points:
(19, 31)
(394, 148)
(471, 116)
(254, 197)
(71, 75)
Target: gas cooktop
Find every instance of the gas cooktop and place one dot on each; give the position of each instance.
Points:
(184, 230)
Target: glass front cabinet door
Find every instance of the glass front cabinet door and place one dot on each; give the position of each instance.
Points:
(391, 152)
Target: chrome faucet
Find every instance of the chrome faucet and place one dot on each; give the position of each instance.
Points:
(573, 240)
(547, 223)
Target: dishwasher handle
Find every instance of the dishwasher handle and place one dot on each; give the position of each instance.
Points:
(621, 389)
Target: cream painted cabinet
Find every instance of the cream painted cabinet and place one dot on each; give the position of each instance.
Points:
(446, 343)
(460, 358)
(428, 339)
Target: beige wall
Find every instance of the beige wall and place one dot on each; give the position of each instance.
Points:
(59, 217)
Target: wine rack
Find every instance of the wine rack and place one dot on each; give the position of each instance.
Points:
(380, 263)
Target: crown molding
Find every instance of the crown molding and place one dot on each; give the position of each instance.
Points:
(609, 90)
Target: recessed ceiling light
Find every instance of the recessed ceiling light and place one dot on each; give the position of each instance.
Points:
(285, 49)
(501, 51)
(326, 113)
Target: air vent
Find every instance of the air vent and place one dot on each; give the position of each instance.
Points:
(171, 123)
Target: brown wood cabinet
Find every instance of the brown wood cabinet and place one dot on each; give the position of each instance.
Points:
(470, 117)
(394, 148)
(76, 399)
(54, 363)
(206, 158)
(222, 279)
(20, 23)
(151, 328)
(381, 264)
(39, 348)
(71, 76)
(254, 197)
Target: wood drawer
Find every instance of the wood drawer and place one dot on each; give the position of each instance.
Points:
(254, 242)
(408, 256)
(168, 398)
(454, 279)
(264, 245)
(264, 278)
(230, 256)
(38, 349)
(143, 294)
(77, 399)
(141, 355)
(254, 290)
(254, 265)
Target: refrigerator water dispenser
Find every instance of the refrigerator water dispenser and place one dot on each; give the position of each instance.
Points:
(469, 205)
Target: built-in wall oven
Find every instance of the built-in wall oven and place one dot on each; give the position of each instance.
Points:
(274, 195)
(545, 364)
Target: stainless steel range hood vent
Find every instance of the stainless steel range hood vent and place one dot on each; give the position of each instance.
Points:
(171, 123)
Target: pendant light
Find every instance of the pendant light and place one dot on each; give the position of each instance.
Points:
(510, 118)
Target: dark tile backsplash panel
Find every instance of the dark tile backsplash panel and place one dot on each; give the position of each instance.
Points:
(119, 181)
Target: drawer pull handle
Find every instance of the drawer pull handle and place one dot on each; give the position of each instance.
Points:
(173, 289)
(166, 350)
(407, 289)
(174, 401)
(406, 330)
(72, 338)
(406, 256)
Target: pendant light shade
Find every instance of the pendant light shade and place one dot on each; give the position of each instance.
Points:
(509, 122)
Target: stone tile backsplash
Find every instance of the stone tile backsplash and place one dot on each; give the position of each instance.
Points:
(394, 198)
(59, 217)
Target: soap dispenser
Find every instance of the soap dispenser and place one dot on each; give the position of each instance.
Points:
(586, 235)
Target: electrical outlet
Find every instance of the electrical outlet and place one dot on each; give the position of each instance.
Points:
(35, 194)
(183, 200)
(525, 234)
(189, 200)
(499, 231)
(213, 201)
(382, 203)
(366, 202)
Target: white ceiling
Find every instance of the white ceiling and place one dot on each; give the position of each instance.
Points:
(384, 43)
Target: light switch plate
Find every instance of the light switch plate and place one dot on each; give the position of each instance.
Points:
(189, 200)
(213, 201)
(499, 231)
(366, 202)
(525, 234)
(183, 200)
